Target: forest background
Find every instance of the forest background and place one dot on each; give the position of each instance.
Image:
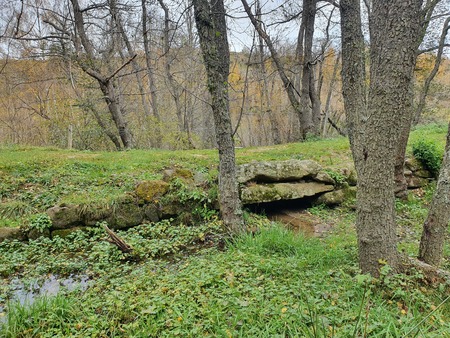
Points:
(154, 93)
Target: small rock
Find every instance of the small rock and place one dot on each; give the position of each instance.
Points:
(324, 177)
(11, 234)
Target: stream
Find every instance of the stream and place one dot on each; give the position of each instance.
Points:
(51, 285)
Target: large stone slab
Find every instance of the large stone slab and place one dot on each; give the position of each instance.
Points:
(260, 193)
(277, 171)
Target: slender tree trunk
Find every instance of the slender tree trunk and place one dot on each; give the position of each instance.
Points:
(426, 87)
(175, 90)
(329, 95)
(436, 224)
(266, 99)
(211, 25)
(136, 68)
(291, 91)
(111, 99)
(307, 93)
(151, 74)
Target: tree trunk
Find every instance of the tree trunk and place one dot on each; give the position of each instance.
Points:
(105, 81)
(307, 93)
(111, 99)
(436, 224)
(276, 138)
(374, 135)
(419, 25)
(174, 87)
(291, 91)
(211, 25)
(329, 95)
(151, 74)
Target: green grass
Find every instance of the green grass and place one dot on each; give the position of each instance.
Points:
(180, 281)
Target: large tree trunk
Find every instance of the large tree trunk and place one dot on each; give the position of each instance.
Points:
(211, 25)
(436, 224)
(393, 33)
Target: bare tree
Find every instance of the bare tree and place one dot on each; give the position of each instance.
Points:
(212, 29)
(374, 126)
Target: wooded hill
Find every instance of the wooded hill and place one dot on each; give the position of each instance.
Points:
(41, 99)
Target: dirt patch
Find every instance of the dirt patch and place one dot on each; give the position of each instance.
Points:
(300, 221)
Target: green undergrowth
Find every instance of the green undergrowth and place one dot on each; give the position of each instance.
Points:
(195, 281)
(273, 283)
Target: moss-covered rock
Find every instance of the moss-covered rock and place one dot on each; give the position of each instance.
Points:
(125, 215)
(11, 234)
(36, 233)
(65, 216)
(277, 171)
(332, 198)
(185, 175)
(260, 193)
(151, 213)
(66, 232)
(150, 191)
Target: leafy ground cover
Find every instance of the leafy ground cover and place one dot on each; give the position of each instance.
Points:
(191, 281)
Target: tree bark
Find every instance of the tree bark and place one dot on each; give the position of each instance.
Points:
(211, 25)
(436, 224)
(374, 131)
(418, 24)
(308, 96)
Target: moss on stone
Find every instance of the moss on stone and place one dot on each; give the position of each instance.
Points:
(150, 191)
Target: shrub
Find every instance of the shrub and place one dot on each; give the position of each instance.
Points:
(427, 153)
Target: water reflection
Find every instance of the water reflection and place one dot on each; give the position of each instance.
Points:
(51, 285)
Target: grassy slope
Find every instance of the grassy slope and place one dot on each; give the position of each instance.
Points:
(273, 284)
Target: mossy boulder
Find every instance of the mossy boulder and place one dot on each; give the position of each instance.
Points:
(332, 198)
(11, 234)
(185, 175)
(150, 191)
(125, 215)
(277, 171)
(65, 216)
(261, 193)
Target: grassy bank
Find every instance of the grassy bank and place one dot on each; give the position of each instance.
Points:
(193, 282)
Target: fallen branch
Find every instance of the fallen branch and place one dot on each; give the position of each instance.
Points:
(431, 273)
(115, 239)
